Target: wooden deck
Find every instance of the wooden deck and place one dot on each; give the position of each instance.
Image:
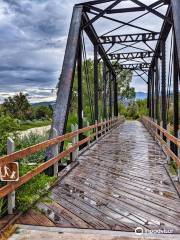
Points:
(120, 184)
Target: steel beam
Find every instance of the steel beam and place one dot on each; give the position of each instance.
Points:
(140, 37)
(157, 91)
(149, 93)
(176, 17)
(151, 10)
(125, 10)
(103, 12)
(67, 75)
(176, 92)
(152, 94)
(80, 94)
(104, 91)
(91, 33)
(110, 95)
(140, 66)
(96, 85)
(115, 97)
(98, 10)
(163, 86)
(166, 27)
(131, 55)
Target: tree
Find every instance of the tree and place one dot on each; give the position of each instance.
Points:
(123, 81)
(8, 127)
(17, 106)
(124, 90)
(43, 112)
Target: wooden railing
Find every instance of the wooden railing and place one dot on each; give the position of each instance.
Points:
(97, 130)
(158, 132)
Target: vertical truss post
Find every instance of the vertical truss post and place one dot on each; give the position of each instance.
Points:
(67, 75)
(96, 85)
(176, 92)
(152, 93)
(110, 95)
(149, 94)
(163, 86)
(104, 91)
(115, 97)
(157, 90)
(80, 96)
(176, 18)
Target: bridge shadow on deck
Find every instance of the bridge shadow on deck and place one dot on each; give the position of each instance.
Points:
(120, 184)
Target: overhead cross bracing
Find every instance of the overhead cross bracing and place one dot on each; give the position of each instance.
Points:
(129, 35)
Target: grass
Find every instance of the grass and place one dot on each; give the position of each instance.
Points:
(33, 124)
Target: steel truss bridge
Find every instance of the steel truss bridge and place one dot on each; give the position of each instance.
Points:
(118, 179)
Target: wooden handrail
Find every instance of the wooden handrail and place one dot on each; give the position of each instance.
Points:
(5, 190)
(153, 127)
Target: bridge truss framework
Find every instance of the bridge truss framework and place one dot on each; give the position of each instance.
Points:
(149, 65)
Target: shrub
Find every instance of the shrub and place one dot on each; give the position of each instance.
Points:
(30, 192)
(8, 128)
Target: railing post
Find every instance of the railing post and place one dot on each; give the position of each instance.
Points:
(55, 152)
(96, 122)
(77, 140)
(161, 134)
(168, 143)
(108, 124)
(105, 125)
(12, 195)
(179, 157)
(101, 128)
(73, 142)
(88, 135)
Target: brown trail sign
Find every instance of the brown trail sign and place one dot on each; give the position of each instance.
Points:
(9, 172)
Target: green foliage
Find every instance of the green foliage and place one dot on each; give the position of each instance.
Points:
(3, 207)
(30, 192)
(17, 106)
(132, 111)
(25, 125)
(30, 140)
(142, 108)
(124, 90)
(135, 109)
(8, 128)
(42, 112)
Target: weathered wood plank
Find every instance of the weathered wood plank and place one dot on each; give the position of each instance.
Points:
(119, 184)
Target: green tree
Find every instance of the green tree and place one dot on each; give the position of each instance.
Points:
(124, 90)
(8, 128)
(17, 106)
(42, 112)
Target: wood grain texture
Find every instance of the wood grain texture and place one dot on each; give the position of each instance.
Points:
(119, 184)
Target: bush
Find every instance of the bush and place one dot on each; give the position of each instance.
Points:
(8, 128)
(30, 192)
(42, 112)
(30, 140)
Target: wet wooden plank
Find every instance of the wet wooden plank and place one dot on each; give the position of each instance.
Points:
(131, 207)
(119, 184)
(103, 216)
(72, 218)
(40, 218)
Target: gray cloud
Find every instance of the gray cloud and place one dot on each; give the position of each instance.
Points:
(33, 37)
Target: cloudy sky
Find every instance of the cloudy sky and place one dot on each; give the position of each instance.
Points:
(33, 36)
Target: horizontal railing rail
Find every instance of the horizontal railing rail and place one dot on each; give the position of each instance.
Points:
(100, 129)
(154, 128)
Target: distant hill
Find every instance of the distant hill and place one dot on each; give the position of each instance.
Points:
(141, 95)
(43, 104)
